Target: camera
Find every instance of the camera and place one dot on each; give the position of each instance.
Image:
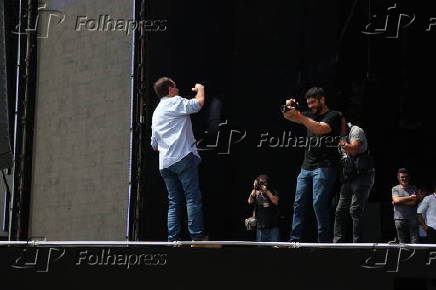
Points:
(259, 185)
(285, 108)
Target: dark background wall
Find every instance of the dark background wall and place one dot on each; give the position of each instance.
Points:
(252, 55)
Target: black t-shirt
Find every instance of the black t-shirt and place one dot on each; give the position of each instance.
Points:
(266, 212)
(322, 150)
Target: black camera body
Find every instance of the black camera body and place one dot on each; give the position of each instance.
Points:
(259, 185)
(285, 108)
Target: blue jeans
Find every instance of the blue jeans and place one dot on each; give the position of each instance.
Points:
(268, 235)
(319, 182)
(182, 183)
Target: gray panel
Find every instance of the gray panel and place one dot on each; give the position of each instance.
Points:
(81, 142)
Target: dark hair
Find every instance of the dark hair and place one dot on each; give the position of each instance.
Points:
(403, 170)
(162, 86)
(264, 176)
(315, 92)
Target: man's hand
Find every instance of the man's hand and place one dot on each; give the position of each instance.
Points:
(425, 227)
(406, 200)
(293, 114)
(342, 142)
(413, 200)
(198, 87)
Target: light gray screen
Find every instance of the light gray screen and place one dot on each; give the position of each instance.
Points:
(81, 139)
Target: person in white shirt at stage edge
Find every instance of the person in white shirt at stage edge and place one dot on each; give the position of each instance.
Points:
(172, 136)
(427, 216)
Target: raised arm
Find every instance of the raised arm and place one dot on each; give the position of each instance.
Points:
(274, 198)
(293, 115)
(252, 197)
(199, 88)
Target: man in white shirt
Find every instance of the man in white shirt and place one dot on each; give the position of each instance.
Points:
(427, 216)
(172, 136)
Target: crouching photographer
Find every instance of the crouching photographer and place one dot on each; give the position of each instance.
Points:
(357, 177)
(265, 200)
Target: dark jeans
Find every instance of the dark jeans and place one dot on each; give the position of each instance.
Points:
(268, 235)
(407, 231)
(181, 180)
(352, 201)
(318, 183)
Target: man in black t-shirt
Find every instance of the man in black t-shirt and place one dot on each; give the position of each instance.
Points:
(319, 168)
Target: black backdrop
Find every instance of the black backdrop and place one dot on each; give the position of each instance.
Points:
(251, 55)
(5, 146)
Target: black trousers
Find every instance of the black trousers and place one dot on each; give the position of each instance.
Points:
(431, 236)
(352, 201)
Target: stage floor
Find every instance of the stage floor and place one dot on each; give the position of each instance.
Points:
(217, 265)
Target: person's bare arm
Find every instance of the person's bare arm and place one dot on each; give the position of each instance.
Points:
(317, 128)
(351, 148)
(408, 200)
(274, 198)
(200, 96)
(422, 221)
(252, 197)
